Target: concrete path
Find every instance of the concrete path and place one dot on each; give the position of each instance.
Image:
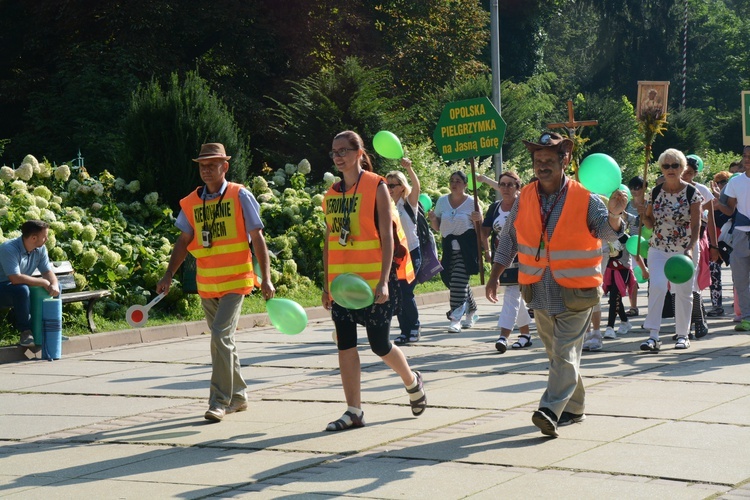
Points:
(127, 421)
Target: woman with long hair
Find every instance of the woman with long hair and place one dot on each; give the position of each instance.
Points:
(365, 238)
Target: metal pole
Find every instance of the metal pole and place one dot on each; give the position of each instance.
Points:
(495, 46)
(684, 57)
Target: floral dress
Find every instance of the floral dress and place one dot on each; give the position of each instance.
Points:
(672, 220)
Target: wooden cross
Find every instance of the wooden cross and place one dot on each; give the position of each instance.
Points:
(572, 124)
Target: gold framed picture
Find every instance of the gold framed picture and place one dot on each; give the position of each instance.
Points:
(652, 99)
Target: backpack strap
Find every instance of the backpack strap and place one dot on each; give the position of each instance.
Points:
(690, 193)
(410, 211)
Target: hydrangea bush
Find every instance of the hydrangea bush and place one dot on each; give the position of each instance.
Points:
(116, 237)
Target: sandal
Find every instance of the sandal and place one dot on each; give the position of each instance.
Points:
(342, 425)
(418, 405)
(404, 339)
(523, 341)
(501, 344)
(682, 343)
(633, 311)
(651, 345)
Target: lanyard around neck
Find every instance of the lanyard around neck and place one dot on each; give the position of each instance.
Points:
(347, 209)
(203, 196)
(546, 215)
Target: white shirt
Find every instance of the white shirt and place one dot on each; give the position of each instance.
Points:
(454, 221)
(739, 188)
(410, 228)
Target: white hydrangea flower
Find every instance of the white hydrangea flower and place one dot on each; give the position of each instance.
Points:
(33, 213)
(19, 186)
(62, 173)
(304, 167)
(328, 179)
(151, 199)
(29, 159)
(42, 191)
(7, 173)
(122, 270)
(55, 207)
(88, 233)
(56, 199)
(83, 189)
(4, 200)
(126, 250)
(45, 170)
(13, 234)
(120, 183)
(76, 246)
(73, 186)
(96, 206)
(3, 211)
(51, 240)
(25, 172)
(76, 227)
(89, 258)
(40, 202)
(135, 206)
(48, 215)
(57, 226)
(134, 186)
(279, 180)
(317, 200)
(98, 189)
(265, 198)
(290, 168)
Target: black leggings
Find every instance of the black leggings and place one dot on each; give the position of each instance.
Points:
(377, 327)
(615, 299)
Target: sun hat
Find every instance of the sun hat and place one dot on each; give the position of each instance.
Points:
(550, 140)
(212, 150)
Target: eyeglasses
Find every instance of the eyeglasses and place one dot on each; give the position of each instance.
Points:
(506, 184)
(393, 186)
(636, 188)
(667, 166)
(340, 152)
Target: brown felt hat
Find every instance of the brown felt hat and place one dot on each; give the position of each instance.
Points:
(550, 140)
(212, 150)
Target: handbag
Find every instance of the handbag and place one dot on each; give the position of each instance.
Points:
(431, 266)
(509, 276)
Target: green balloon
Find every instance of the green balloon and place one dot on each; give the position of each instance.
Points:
(600, 174)
(256, 267)
(425, 201)
(387, 145)
(698, 161)
(639, 275)
(632, 244)
(470, 181)
(286, 316)
(646, 232)
(644, 247)
(679, 269)
(351, 291)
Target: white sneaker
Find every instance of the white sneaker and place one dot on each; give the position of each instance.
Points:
(609, 333)
(471, 319)
(625, 327)
(593, 341)
(455, 327)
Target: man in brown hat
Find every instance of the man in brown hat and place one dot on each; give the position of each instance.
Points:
(218, 221)
(559, 271)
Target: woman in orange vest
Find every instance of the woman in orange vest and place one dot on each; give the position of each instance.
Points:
(364, 237)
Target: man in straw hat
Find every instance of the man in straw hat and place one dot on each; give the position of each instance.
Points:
(559, 271)
(218, 221)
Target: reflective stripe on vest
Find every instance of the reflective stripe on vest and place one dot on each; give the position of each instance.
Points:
(573, 254)
(226, 267)
(362, 255)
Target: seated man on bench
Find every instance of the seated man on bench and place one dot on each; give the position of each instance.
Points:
(19, 258)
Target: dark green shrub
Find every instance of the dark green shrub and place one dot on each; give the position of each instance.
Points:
(163, 132)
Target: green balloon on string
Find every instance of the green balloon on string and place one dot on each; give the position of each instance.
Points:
(351, 291)
(287, 316)
(600, 174)
(470, 181)
(425, 201)
(679, 269)
(646, 232)
(388, 145)
(632, 244)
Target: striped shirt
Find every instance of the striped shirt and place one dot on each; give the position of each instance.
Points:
(547, 293)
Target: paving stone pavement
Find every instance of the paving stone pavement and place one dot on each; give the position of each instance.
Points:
(127, 421)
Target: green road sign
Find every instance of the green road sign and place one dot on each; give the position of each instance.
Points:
(469, 128)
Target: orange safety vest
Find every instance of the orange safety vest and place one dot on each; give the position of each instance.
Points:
(226, 267)
(362, 255)
(573, 254)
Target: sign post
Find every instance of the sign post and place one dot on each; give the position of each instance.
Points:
(745, 117)
(467, 129)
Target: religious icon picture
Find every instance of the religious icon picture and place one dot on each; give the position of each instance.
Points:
(652, 99)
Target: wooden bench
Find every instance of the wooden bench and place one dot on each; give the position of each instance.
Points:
(64, 272)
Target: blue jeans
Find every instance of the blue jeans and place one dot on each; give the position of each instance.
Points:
(17, 297)
(408, 318)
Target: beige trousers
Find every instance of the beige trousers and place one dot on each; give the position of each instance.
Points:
(222, 315)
